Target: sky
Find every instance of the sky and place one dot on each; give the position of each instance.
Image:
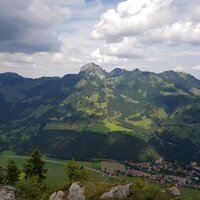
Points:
(57, 37)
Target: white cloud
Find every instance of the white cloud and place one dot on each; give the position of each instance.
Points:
(75, 60)
(106, 59)
(150, 33)
(195, 12)
(179, 69)
(177, 33)
(197, 67)
(150, 21)
(53, 37)
(133, 17)
(58, 57)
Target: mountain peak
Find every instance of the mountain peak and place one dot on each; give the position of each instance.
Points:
(117, 72)
(10, 75)
(10, 78)
(93, 70)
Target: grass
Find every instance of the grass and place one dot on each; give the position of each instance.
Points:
(97, 128)
(64, 126)
(112, 126)
(144, 123)
(190, 194)
(104, 127)
(113, 166)
(195, 91)
(56, 175)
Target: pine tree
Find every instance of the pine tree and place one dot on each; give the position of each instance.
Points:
(11, 173)
(75, 172)
(34, 166)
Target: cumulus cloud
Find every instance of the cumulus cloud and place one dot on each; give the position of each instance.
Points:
(132, 18)
(195, 12)
(150, 24)
(156, 35)
(27, 25)
(107, 59)
(179, 69)
(41, 43)
(196, 67)
(58, 57)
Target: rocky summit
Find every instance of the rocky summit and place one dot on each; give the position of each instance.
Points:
(94, 70)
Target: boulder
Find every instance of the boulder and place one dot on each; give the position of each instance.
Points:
(119, 192)
(76, 192)
(60, 195)
(175, 192)
(7, 193)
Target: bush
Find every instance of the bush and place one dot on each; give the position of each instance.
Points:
(32, 189)
(147, 191)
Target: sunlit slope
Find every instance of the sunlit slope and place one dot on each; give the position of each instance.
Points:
(131, 102)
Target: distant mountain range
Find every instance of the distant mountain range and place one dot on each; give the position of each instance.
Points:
(94, 114)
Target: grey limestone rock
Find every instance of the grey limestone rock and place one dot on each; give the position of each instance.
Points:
(119, 192)
(76, 192)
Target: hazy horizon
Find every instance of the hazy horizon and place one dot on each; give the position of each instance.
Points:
(101, 67)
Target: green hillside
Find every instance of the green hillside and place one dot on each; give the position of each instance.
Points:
(94, 114)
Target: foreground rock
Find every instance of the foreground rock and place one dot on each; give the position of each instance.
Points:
(60, 195)
(175, 192)
(76, 192)
(7, 193)
(119, 192)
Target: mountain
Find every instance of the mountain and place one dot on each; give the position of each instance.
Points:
(92, 69)
(95, 114)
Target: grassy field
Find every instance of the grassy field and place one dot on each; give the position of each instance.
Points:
(56, 174)
(113, 165)
(190, 194)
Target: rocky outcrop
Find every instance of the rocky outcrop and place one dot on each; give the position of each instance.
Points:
(76, 192)
(94, 70)
(7, 193)
(175, 192)
(60, 195)
(119, 192)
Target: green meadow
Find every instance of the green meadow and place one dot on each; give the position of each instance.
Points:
(57, 175)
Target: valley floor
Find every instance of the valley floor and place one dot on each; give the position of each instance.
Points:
(56, 174)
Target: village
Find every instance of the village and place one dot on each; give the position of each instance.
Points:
(161, 172)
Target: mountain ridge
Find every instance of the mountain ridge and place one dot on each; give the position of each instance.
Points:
(12, 74)
(116, 106)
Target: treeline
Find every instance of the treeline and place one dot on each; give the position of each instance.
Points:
(85, 145)
(117, 145)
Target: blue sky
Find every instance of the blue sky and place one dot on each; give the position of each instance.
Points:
(56, 37)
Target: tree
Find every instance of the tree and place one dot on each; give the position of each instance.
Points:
(75, 172)
(34, 166)
(11, 173)
(2, 175)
